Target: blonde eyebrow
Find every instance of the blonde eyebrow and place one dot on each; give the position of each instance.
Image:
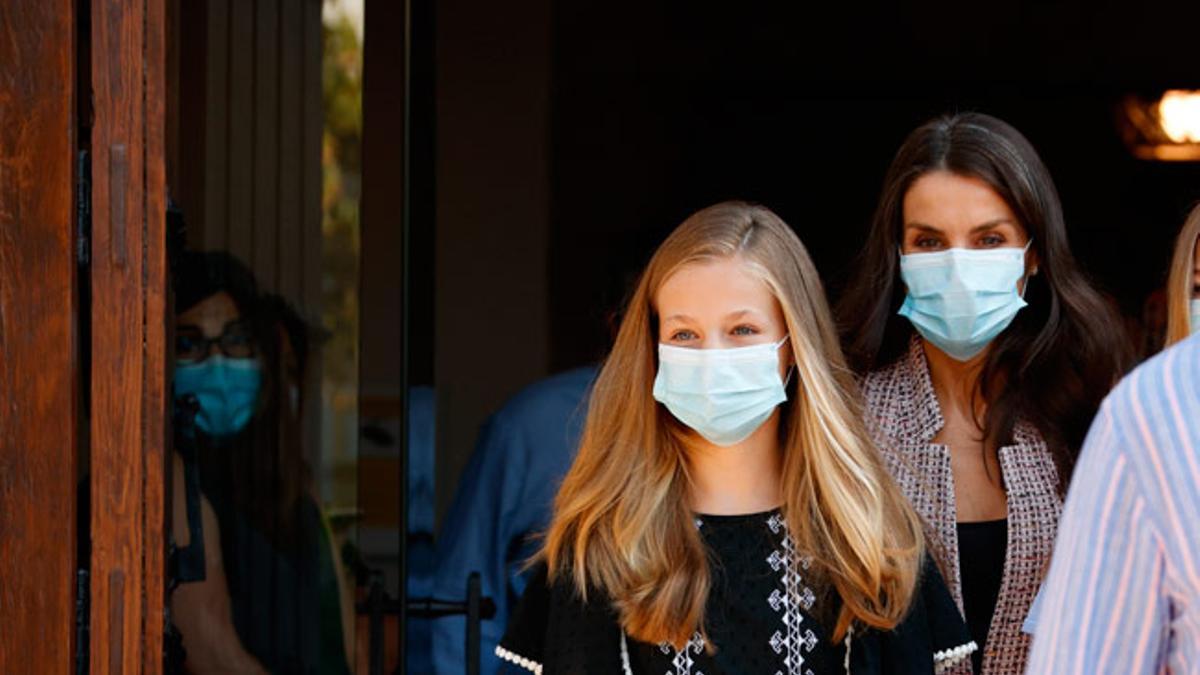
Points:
(731, 316)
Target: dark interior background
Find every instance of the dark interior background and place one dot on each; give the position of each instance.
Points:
(660, 111)
(619, 120)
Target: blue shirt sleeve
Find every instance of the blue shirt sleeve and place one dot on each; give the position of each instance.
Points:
(504, 500)
(475, 538)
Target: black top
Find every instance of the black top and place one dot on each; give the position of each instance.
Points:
(982, 548)
(285, 602)
(764, 615)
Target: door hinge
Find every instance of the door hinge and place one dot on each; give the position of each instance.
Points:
(83, 208)
(82, 621)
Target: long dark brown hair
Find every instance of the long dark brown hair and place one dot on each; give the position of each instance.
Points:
(1060, 356)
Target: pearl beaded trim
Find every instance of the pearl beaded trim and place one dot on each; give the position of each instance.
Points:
(527, 664)
(948, 658)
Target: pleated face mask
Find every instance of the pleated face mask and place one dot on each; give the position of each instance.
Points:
(961, 299)
(226, 389)
(723, 394)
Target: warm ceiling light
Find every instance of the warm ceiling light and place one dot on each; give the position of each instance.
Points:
(1165, 129)
(1179, 115)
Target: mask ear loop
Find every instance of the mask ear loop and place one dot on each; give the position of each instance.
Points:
(787, 380)
(1032, 273)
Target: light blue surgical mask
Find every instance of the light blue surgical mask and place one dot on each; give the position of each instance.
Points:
(226, 389)
(723, 394)
(961, 299)
(1194, 305)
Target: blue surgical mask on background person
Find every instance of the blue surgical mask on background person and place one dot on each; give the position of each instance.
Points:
(226, 389)
(723, 394)
(1194, 305)
(961, 299)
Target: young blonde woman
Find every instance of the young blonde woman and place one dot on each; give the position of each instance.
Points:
(727, 512)
(1183, 284)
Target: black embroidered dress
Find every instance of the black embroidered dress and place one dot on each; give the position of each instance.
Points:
(763, 616)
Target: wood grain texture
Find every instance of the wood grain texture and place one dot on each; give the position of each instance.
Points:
(117, 321)
(128, 326)
(155, 399)
(38, 363)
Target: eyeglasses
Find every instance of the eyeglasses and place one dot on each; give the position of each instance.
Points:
(235, 342)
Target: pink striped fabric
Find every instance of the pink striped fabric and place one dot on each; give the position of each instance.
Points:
(1123, 594)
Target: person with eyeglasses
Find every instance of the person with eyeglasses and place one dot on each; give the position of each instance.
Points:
(272, 599)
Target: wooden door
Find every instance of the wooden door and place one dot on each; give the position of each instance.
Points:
(39, 356)
(128, 447)
(82, 326)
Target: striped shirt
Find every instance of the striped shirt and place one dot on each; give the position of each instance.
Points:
(1123, 594)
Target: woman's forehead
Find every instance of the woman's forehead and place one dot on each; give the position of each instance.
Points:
(944, 200)
(214, 311)
(724, 287)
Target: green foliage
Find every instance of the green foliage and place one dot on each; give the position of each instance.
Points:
(341, 161)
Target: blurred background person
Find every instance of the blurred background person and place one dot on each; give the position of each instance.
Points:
(242, 357)
(502, 503)
(504, 498)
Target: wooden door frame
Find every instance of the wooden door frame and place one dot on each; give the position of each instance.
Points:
(39, 353)
(129, 405)
(83, 355)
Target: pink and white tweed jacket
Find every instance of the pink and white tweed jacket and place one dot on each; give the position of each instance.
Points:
(905, 416)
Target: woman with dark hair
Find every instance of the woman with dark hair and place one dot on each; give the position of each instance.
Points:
(984, 354)
(241, 356)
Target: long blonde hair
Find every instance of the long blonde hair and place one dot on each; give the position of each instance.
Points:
(622, 524)
(1180, 281)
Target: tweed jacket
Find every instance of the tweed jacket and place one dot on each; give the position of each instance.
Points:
(904, 415)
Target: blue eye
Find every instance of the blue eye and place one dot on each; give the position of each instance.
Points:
(927, 243)
(744, 330)
(991, 240)
(682, 335)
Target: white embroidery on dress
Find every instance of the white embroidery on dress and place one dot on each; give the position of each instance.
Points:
(789, 599)
(793, 595)
(683, 660)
